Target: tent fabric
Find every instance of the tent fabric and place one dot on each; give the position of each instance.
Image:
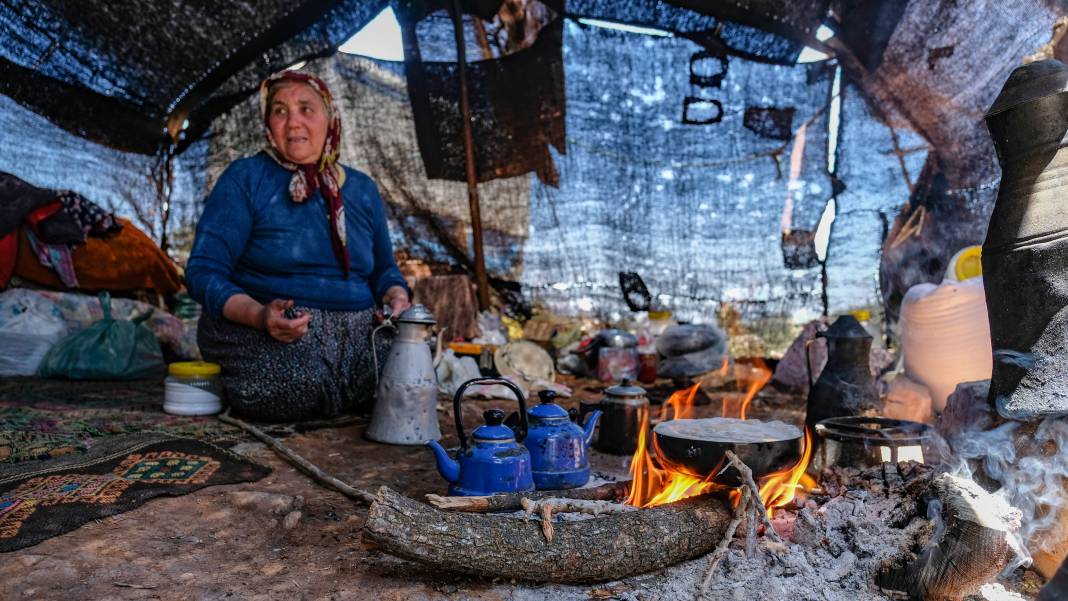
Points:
(49, 157)
(876, 187)
(113, 71)
(696, 202)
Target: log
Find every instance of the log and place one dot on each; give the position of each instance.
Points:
(581, 551)
(971, 544)
(613, 491)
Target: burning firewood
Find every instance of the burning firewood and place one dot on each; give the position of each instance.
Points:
(971, 544)
(582, 551)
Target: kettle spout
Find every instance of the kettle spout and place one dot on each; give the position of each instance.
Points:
(437, 351)
(591, 423)
(448, 467)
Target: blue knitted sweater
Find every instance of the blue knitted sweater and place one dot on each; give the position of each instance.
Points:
(253, 238)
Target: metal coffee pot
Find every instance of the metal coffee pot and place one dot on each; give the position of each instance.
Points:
(623, 407)
(1025, 255)
(406, 402)
(846, 387)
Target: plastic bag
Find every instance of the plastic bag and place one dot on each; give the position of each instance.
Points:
(109, 349)
(29, 326)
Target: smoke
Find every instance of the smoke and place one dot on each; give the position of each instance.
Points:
(1024, 360)
(1032, 472)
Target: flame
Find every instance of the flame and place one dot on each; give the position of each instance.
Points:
(752, 379)
(778, 489)
(652, 485)
(681, 403)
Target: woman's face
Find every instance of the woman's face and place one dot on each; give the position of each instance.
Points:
(297, 119)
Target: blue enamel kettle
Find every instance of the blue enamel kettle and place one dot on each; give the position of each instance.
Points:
(558, 446)
(494, 461)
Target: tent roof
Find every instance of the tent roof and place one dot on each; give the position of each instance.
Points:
(119, 72)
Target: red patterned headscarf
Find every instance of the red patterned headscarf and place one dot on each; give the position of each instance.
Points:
(325, 175)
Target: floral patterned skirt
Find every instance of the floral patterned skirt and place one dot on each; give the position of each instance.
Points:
(327, 372)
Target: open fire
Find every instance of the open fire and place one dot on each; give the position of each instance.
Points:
(654, 485)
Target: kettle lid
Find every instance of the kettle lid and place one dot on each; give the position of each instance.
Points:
(547, 409)
(1031, 82)
(493, 430)
(847, 326)
(625, 390)
(416, 314)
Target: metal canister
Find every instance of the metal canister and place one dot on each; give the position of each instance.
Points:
(623, 407)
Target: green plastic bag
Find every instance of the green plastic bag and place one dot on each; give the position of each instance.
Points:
(109, 349)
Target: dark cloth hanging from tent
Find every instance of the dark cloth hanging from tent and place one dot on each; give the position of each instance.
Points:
(517, 107)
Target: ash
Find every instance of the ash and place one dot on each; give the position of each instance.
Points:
(835, 544)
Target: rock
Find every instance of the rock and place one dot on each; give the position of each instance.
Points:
(291, 520)
(967, 410)
(791, 375)
(264, 502)
(247, 449)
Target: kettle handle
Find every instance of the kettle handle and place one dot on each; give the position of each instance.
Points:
(519, 434)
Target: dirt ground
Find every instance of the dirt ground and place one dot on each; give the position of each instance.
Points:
(211, 545)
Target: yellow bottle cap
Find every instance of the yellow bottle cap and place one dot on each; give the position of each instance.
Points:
(192, 369)
(660, 315)
(861, 314)
(968, 263)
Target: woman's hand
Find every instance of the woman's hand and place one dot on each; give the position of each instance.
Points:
(280, 328)
(397, 299)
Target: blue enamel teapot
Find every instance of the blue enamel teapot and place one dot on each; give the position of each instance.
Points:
(558, 446)
(494, 461)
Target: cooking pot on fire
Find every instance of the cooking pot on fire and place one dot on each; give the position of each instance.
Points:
(698, 447)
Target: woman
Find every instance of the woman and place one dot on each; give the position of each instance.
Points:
(292, 255)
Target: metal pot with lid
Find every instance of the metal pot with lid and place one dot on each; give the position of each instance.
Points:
(623, 407)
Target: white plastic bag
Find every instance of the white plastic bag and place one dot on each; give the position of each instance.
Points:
(30, 325)
(945, 336)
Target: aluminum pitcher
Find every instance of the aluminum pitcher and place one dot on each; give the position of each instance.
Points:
(406, 400)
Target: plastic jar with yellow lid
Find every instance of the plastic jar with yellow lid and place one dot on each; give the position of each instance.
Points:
(193, 388)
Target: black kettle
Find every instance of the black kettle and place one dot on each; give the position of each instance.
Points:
(846, 387)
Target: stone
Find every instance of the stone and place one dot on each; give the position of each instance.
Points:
(291, 520)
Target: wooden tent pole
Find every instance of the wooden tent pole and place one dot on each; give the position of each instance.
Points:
(469, 159)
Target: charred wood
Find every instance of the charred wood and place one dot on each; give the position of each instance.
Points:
(971, 543)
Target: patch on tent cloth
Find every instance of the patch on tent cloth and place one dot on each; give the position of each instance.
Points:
(118, 476)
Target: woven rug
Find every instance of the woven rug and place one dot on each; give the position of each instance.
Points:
(42, 418)
(118, 474)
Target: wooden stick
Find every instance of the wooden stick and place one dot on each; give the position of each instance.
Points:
(299, 462)
(594, 508)
(469, 158)
(613, 491)
(758, 503)
(724, 544)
